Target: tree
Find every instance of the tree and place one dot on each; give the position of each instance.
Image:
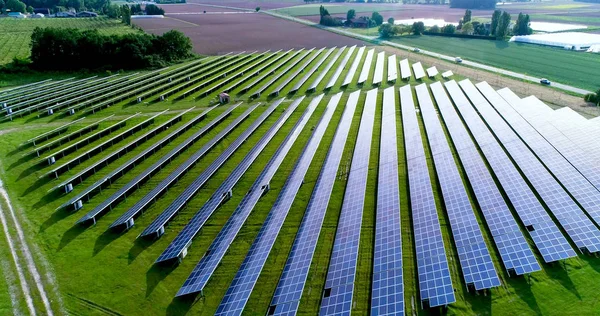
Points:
(126, 14)
(323, 11)
(593, 98)
(2, 4)
(257, 9)
(522, 25)
(30, 9)
(75, 4)
(113, 11)
(468, 28)
(449, 29)
(387, 30)
(15, 6)
(503, 25)
(473, 4)
(391, 21)
(377, 18)
(418, 28)
(152, 9)
(467, 17)
(495, 20)
(351, 14)
(434, 29)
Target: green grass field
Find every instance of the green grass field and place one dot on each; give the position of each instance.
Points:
(100, 271)
(313, 9)
(573, 68)
(15, 34)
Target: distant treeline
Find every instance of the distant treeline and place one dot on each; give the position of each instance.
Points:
(96, 5)
(473, 4)
(73, 49)
(592, 1)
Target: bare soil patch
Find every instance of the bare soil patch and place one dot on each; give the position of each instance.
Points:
(192, 8)
(264, 5)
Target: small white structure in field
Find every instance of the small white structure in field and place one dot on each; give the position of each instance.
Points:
(224, 98)
(447, 74)
(567, 40)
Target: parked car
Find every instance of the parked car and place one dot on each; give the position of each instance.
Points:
(458, 60)
(416, 50)
(545, 81)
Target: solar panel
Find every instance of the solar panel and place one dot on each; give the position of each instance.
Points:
(418, 69)
(281, 73)
(183, 168)
(129, 164)
(447, 74)
(339, 284)
(94, 167)
(354, 67)
(578, 182)
(271, 71)
(405, 69)
(50, 134)
(545, 234)
(364, 73)
(8, 93)
(297, 72)
(392, 73)
(435, 283)
(102, 146)
(157, 226)
(67, 138)
(387, 292)
(577, 225)
(432, 72)
(239, 291)
(340, 68)
(379, 64)
(325, 70)
(257, 71)
(507, 236)
(146, 174)
(291, 284)
(299, 84)
(55, 86)
(209, 262)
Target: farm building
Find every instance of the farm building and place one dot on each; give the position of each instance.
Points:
(360, 22)
(87, 14)
(567, 40)
(65, 15)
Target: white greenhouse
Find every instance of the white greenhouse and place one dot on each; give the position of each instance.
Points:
(567, 40)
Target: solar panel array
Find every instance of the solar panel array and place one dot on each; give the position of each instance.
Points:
(574, 182)
(297, 72)
(289, 289)
(435, 283)
(379, 66)
(405, 69)
(318, 64)
(392, 73)
(209, 262)
(418, 69)
(52, 133)
(271, 71)
(340, 68)
(350, 74)
(547, 237)
(281, 73)
(239, 291)
(506, 234)
(387, 292)
(155, 167)
(573, 220)
(325, 70)
(364, 73)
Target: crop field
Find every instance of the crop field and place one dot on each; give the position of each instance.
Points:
(15, 34)
(312, 9)
(101, 270)
(572, 68)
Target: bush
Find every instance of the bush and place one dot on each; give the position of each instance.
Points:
(387, 30)
(449, 29)
(377, 18)
(434, 29)
(152, 9)
(418, 28)
(327, 20)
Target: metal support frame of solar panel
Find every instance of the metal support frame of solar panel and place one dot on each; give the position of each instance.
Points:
(219, 246)
(475, 260)
(340, 68)
(51, 159)
(379, 66)
(341, 273)
(392, 69)
(9, 93)
(281, 73)
(405, 69)
(418, 69)
(325, 71)
(547, 237)
(432, 72)
(154, 168)
(257, 71)
(50, 134)
(130, 164)
(67, 138)
(296, 73)
(387, 290)
(271, 71)
(239, 291)
(288, 292)
(239, 74)
(514, 251)
(190, 191)
(364, 73)
(209, 262)
(354, 67)
(56, 172)
(574, 221)
(96, 166)
(53, 86)
(570, 150)
(224, 191)
(577, 182)
(220, 73)
(435, 283)
(318, 64)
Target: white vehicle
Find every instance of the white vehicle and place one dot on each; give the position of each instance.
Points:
(416, 50)
(458, 60)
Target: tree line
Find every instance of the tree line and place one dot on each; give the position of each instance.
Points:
(473, 4)
(53, 5)
(74, 49)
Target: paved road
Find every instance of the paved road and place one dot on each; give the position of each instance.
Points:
(433, 54)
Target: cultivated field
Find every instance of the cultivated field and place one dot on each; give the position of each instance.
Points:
(99, 270)
(15, 34)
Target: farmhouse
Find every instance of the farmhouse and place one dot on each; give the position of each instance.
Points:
(87, 14)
